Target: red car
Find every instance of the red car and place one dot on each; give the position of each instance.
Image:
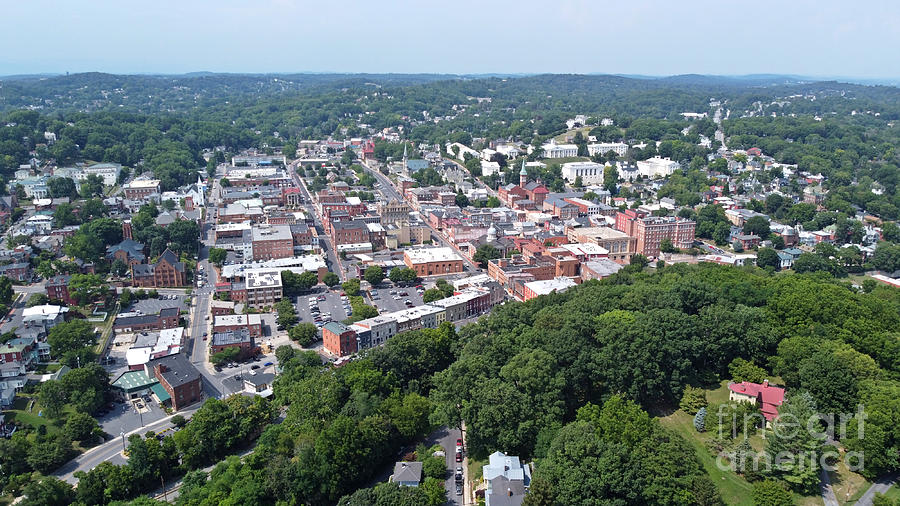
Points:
(459, 456)
(459, 442)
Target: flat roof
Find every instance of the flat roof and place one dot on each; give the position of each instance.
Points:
(262, 278)
(272, 233)
(550, 285)
(236, 319)
(425, 255)
(143, 183)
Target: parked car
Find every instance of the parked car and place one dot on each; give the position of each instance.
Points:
(254, 366)
(459, 442)
(459, 456)
(267, 364)
(458, 489)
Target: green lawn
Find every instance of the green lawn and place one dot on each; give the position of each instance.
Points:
(733, 488)
(26, 413)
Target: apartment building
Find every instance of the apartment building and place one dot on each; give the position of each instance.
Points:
(650, 231)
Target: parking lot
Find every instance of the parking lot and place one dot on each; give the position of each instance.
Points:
(155, 305)
(332, 306)
(390, 298)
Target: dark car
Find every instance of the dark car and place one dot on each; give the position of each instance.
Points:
(459, 456)
(267, 364)
(458, 489)
(254, 366)
(403, 294)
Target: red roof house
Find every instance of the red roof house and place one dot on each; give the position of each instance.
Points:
(767, 397)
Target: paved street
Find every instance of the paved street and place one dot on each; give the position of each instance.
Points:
(390, 192)
(112, 449)
(332, 260)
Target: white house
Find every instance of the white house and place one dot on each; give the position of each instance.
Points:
(657, 167)
(488, 168)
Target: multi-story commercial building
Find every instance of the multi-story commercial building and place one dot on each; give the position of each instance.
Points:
(619, 244)
(263, 287)
(236, 322)
(240, 339)
(271, 241)
(433, 261)
(650, 231)
(543, 287)
(178, 377)
(395, 211)
(349, 232)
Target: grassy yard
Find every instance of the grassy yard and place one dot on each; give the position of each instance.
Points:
(26, 412)
(847, 485)
(561, 138)
(733, 488)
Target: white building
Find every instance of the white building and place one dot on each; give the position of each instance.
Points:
(590, 172)
(108, 171)
(554, 150)
(488, 168)
(657, 167)
(510, 151)
(45, 316)
(619, 148)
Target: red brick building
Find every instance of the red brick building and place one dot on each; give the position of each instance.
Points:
(58, 289)
(178, 377)
(349, 232)
(271, 242)
(166, 272)
(229, 323)
(650, 231)
(338, 339)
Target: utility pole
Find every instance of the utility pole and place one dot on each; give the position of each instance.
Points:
(165, 494)
(123, 441)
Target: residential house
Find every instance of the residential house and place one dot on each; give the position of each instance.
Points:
(407, 474)
(766, 396)
(507, 480)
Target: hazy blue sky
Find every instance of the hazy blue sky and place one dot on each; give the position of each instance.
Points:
(658, 37)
